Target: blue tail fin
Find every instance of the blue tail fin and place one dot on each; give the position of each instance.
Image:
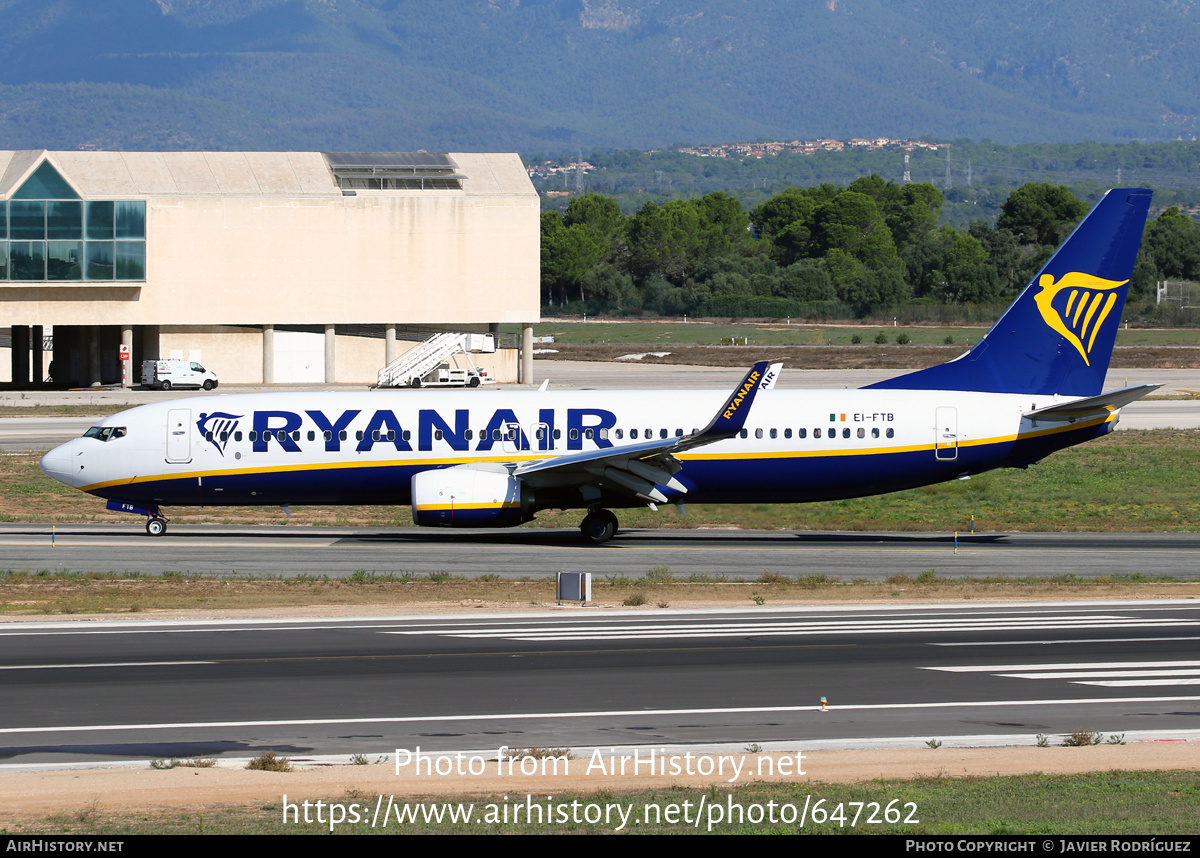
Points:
(1058, 336)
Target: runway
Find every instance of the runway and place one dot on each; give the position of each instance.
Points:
(289, 551)
(140, 689)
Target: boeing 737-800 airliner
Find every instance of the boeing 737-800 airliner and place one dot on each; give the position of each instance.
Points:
(1032, 385)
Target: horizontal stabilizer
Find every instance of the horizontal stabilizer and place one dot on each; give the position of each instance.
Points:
(1093, 406)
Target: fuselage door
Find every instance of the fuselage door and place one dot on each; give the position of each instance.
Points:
(946, 433)
(179, 435)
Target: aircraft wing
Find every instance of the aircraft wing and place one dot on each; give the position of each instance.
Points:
(638, 468)
(1092, 406)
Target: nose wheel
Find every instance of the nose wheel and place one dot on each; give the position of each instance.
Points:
(599, 526)
(156, 526)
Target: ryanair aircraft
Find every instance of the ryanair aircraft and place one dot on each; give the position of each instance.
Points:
(1031, 386)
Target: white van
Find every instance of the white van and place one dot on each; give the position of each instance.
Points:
(166, 374)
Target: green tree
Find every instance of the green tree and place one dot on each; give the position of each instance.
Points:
(1040, 213)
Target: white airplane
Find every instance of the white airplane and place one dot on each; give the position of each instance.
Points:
(1031, 386)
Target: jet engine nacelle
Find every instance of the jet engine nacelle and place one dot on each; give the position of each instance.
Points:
(470, 496)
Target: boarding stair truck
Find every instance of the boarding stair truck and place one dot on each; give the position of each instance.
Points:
(428, 364)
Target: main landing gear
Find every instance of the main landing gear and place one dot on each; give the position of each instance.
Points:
(599, 526)
(156, 525)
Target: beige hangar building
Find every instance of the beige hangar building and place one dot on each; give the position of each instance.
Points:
(267, 267)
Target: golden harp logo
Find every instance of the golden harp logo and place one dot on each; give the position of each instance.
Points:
(1076, 306)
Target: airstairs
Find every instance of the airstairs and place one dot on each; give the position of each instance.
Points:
(412, 367)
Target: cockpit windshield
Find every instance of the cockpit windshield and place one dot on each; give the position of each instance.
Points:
(105, 433)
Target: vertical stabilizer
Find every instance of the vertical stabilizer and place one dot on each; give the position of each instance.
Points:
(1058, 336)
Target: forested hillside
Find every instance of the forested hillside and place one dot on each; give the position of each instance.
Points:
(553, 75)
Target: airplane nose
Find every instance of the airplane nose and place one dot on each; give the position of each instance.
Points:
(57, 463)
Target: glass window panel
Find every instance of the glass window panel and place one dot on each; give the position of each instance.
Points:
(27, 221)
(131, 219)
(64, 260)
(131, 260)
(99, 260)
(64, 220)
(99, 220)
(46, 183)
(3, 220)
(3, 260)
(27, 259)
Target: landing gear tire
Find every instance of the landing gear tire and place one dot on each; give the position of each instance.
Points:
(156, 526)
(611, 517)
(598, 527)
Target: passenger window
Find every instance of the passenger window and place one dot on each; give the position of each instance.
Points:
(312, 436)
(296, 435)
(391, 436)
(406, 434)
(495, 434)
(774, 433)
(603, 434)
(254, 435)
(662, 433)
(208, 436)
(280, 435)
(374, 434)
(574, 435)
(874, 433)
(846, 432)
(787, 433)
(358, 436)
(633, 433)
(237, 436)
(437, 434)
(328, 435)
(678, 433)
(469, 434)
(620, 434)
(744, 434)
(862, 433)
(224, 437)
(816, 433)
(587, 433)
(758, 433)
(342, 435)
(557, 434)
(891, 433)
(801, 433)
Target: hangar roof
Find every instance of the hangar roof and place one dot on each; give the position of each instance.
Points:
(269, 174)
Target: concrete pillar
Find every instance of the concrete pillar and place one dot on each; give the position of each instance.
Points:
(268, 354)
(93, 378)
(20, 356)
(389, 344)
(330, 351)
(525, 376)
(128, 377)
(39, 368)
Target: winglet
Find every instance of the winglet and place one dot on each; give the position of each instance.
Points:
(730, 419)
